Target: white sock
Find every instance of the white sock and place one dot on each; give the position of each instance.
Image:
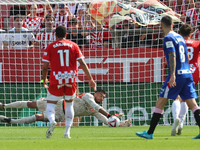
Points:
(18, 104)
(176, 106)
(50, 112)
(183, 112)
(69, 116)
(24, 120)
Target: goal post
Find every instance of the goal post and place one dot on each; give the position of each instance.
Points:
(123, 49)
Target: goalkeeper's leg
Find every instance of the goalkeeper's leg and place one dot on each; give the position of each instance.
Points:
(26, 120)
(19, 104)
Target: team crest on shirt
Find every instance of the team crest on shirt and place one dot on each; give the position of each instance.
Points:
(24, 36)
(169, 44)
(91, 109)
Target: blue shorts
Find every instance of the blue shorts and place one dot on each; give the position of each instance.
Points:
(184, 87)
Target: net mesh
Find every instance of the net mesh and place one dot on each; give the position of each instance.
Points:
(121, 42)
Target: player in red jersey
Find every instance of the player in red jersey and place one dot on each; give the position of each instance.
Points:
(179, 107)
(63, 56)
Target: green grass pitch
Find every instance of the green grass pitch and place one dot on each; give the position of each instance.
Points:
(96, 138)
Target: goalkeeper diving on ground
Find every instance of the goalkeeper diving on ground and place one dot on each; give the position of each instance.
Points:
(84, 104)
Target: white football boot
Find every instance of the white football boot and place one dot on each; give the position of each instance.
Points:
(67, 136)
(175, 127)
(50, 130)
(180, 128)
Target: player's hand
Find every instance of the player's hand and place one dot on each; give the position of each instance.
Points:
(119, 115)
(93, 84)
(125, 123)
(44, 83)
(172, 82)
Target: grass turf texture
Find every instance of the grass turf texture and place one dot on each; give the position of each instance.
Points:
(93, 138)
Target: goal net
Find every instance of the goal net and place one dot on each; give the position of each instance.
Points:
(121, 42)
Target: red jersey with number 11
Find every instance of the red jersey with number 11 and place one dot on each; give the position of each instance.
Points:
(63, 56)
(193, 51)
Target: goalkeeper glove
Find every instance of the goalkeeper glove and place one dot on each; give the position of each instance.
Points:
(108, 115)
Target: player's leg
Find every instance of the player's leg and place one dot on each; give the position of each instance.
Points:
(54, 94)
(182, 115)
(19, 104)
(155, 118)
(70, 94)
(165, 94)
(26, 120)
(196, 111)
(175, 113)
(188, 94)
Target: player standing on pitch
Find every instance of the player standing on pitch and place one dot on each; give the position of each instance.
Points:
(63, 56)
(179, 110)
(179, 80)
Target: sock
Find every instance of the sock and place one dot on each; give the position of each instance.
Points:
(24, 120)
(183, 112)
(154, 121)
(18, 104)
(197, 116)
(69, 116)
(176, 106)
(50, 112)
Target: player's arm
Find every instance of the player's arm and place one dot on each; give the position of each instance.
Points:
(31, 39)
(48, 8)
(5, 45)
(172, 65)
(87, 72)
(101, 118)
(44, 73)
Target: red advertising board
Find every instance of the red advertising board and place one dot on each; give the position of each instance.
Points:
(106, 65)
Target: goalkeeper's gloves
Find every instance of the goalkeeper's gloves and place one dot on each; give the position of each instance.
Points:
(108, 115)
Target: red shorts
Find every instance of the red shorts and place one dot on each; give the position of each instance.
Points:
(66, 90)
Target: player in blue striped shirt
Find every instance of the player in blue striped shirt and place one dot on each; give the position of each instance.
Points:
(179, 80)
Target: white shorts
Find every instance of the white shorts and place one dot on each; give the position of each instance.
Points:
(59, 114)
(51, 97)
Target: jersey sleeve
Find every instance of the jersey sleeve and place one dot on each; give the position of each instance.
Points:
(168, 44)
(47, 54)
(101, 118)
(89, 98)
(78, 53)
(31, 37)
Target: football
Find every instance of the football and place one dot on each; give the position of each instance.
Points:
(113, 121)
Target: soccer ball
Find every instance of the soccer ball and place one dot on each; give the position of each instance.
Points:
(113, 121)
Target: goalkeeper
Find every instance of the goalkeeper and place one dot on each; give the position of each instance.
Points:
(85, 104)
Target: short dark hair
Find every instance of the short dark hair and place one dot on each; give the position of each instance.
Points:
(61, 31)
(185, 30)
(167, 21)
(100, 90)
(73, 20)
(49, 16)
(18, 16)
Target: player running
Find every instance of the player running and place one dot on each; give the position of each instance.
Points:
(179, 80)
(179, 110)
(85, 104)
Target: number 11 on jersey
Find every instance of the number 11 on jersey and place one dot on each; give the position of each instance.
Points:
(66, 51)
